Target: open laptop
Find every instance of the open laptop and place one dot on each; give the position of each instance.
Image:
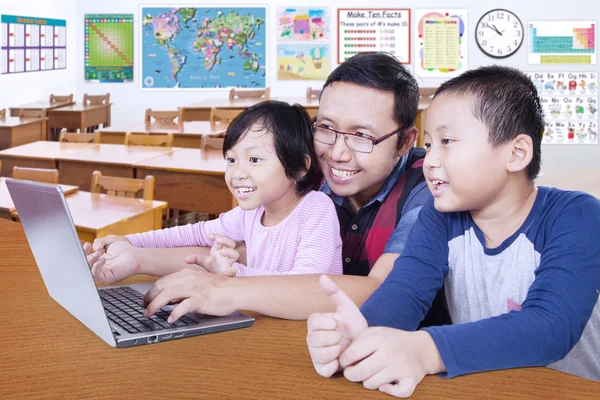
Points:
(113, 313)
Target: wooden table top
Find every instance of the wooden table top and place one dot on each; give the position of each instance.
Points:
(92, 211)
(78, 108)
(44, 150)
(11, 122)
(6, 203)
(116, 154)
(44, 104)
(47, 353)
(188, 128)
(209, 162)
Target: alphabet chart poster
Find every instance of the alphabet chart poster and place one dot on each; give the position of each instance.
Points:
(374, 30)
(570, 104)
(441, 42)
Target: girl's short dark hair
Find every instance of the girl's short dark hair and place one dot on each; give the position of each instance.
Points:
(292, 136)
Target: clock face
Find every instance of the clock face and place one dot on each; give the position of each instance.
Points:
(499, 33)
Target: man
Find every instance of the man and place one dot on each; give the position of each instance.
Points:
(364, 135)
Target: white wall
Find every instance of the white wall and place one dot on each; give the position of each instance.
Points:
(16, 89)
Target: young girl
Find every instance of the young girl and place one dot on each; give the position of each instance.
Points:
(288, 229)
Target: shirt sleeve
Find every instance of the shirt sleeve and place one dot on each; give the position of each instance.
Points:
(319, 249)
(417, 198)
(407, 293)
(230, 224)
(555, 312)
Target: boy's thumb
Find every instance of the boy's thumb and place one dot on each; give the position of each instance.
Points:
(337, 295)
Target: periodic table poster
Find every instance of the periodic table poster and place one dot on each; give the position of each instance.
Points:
(562, 42)
(32, 44)
(570, 104)
(374, 30)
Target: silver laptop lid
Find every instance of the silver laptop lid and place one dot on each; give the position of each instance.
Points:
(58, 253)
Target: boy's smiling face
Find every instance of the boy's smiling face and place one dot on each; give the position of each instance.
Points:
(462, 169)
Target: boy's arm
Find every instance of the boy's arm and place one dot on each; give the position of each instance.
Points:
(557, 308)
(418, 274)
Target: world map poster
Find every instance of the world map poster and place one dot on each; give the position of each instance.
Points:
(203, 47)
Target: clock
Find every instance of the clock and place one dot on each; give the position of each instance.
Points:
(499, 33)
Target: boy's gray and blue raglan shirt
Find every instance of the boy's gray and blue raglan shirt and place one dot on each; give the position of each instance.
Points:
(532, 301)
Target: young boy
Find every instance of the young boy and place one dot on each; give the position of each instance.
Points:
(521, 264)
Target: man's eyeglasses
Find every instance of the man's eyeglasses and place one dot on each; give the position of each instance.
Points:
(358, 141)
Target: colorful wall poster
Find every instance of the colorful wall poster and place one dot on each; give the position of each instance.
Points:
(562, 42)
(203, 47)
(374, 30)
(108, 47)
(570, 104)
(303, 24)
(308, 61)
(32, 44)
(441, 42)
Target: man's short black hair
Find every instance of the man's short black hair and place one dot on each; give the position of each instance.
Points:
(507, 102)
(384, 72)
(292, 137)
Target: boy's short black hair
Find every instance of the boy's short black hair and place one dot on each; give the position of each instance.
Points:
(292, 138)
(507, 102)
(384, 72)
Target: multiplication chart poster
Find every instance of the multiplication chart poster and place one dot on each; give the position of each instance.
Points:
(32, 44)
(570, 103)
(562, 42)
(441, 42)
(374, 30)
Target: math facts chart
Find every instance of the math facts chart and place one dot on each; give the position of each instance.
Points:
(374, 30)
(32, 44)
(570, 104)
(562, 42)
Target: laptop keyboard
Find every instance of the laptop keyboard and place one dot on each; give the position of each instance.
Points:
(123, 307)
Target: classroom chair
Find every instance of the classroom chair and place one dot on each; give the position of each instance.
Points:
(74, 137)
(144, 139)
(163, 117)
(123, 187)
(222, 116)
(2, 112)
(61, 99)
(24, 113)
(264, 94)
(96, 99)
(312, 93)
(36, 174)
(212, 141)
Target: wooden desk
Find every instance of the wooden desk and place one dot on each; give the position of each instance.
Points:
(76, 168)
(47, 353)
(420, 121)
(37, 155)
(98, 215)
(17, 131)
(201, 111)
(43, 105)
(571, 179)
(6, 204)
(188, 135)
(192, 180)
(78, 116)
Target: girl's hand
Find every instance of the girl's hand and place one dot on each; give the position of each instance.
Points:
(222, 257)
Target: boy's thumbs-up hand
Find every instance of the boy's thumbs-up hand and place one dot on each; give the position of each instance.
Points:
(330, 334)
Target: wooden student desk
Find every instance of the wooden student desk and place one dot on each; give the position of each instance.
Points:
(190, 179)
(98, 215)
(6, 204)
(16, 131)
(201, 111)
(38, 155)
(47, 353)
(43, 105)
(76, 168)
(78, 116)
(188, 134)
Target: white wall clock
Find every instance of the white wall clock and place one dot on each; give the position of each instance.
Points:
(499, 33)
